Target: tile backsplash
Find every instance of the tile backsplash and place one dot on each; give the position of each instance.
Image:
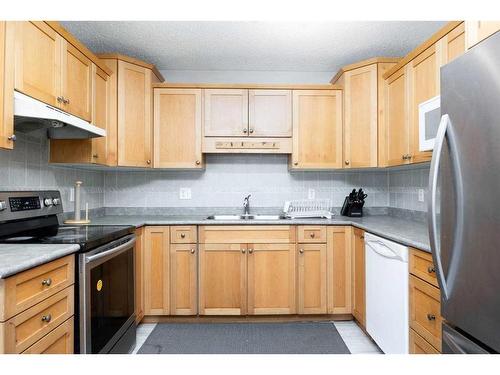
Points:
(224, 182)
(228, 178)
(26, 168)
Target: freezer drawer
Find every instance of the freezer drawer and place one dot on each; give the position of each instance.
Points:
(455, 342)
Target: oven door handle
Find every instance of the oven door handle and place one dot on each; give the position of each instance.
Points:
(112, 251)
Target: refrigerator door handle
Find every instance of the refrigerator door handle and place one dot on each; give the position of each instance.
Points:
(433, 181)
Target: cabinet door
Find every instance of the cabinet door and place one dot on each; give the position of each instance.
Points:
(270, 113)
(476, 31)
(358, 273)
(424, 86)
(134, 115)
(156, 271)
(223, 277)
(139, 275)
(338, 272)
(317, 129)
(397, 127)
(38, 61)
(360, 122)
(226, 113)
(76, 82)
(100, 115)
(177, 128)
(271, 279)
(183, 279)
(312, 278)
(6, 85)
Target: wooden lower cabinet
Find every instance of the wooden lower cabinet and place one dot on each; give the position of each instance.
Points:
(312, 278)
(271, 279)
(222, 288)
(183, 279)
(338, 260)
(139, 275)
(156, 270)
(358, 276)
(59, 341)
(419, 346)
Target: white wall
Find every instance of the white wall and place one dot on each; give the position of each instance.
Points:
(244, 76)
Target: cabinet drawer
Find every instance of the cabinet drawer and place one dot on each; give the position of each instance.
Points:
(425, 307)
(311, 233)
(59, 341)
(421, 265)
(30, 287)
(26, 328)
(419, 346)
(222, 234)
(183, 234)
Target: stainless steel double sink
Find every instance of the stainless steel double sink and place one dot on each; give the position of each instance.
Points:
(247, 217)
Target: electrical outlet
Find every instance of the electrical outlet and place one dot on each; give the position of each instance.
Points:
(421, 196)
(72, 195)
(311, 194)
(185, 193)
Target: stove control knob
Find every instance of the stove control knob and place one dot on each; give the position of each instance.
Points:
(56, 201)
(48, 202)
(3, 205)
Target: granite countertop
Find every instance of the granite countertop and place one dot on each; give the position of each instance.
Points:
(407, 232)
(15, 258)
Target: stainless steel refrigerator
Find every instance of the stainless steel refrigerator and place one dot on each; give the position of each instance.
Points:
(464, 204)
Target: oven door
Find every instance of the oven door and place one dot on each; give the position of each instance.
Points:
(107, 301)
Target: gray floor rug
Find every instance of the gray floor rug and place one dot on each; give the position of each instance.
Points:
(245, 338)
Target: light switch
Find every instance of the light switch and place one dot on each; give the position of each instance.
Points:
(421, 197)
(185, 193)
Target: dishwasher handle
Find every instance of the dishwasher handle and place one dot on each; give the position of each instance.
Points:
(383, 250)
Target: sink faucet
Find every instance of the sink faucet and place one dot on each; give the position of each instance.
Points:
(246, 204)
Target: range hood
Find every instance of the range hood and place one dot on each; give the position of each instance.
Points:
(31, 115)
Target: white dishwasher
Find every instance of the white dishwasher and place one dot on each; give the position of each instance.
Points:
(387, 294)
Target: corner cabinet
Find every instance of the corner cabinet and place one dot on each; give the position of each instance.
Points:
(177, 128)
(6, 85)
(317, 129)
(477, 31)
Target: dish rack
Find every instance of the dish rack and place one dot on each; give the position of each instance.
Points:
(308, 208)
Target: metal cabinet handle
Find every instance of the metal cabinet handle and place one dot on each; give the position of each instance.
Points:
(46, 318)
(245, 130)
(66, 101)
(60, 99)
(409, 156)
(243, 251)
(183, 235)
(47, 282)
(296, 163)
(362, 237)
(148, 161)
(404, 157)
(198, 162)
(95, 156)
(347, 162)
(311, 235)
(12, 138)
(250, 251)
(431, 269)
(193, 251)
(301, 251)
(431, 317)
(251, 131)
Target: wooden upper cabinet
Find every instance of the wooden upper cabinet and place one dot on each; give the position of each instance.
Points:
(396, 137)
(6, 85)
(226, 112)
(476, 31)
(360, 117)
(312, 278)
(455, 43)
(223, 279)
(424, 85)
(270, 113)
(271, 279)
(156, 270)
(134, 115)
(358, 275)
(177, 128)
(38, 61)
(76, 82)
(317, 129)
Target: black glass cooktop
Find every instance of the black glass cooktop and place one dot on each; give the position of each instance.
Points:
(87, 236)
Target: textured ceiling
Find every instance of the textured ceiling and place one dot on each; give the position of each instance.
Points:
(266, 46)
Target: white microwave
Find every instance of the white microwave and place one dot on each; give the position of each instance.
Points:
(429, 116)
